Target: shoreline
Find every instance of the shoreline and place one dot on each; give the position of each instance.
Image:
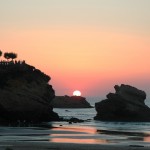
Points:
(69, 137)
(90, 135)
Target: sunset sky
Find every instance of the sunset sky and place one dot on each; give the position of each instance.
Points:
(86, 45)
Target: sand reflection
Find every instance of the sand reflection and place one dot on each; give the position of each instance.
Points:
(80, 135)
(80, 141)
(147, 139)
(86, 130)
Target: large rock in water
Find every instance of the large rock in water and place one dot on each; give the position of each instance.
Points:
(127, 104)
(70, 102)
(25, 94)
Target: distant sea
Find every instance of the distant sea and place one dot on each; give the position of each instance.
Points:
(88, 132)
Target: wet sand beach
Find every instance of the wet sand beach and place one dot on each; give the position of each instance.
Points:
(66, 146)
(66, 137)
(88, 135)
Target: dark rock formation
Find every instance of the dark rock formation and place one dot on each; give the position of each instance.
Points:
(25, 94)
(70, 102)
(127, 104)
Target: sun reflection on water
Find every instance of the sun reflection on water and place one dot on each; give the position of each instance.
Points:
(75, 140)
(146, 139)
(80, 135)
(86, 130)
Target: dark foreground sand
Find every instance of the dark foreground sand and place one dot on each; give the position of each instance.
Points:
(66, 146)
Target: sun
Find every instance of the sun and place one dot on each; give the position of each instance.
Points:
(76, 93)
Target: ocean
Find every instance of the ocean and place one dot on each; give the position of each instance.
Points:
(88, 132)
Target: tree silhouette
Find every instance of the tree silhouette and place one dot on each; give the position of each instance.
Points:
(10, 55)
(6, 55)
(1, 53)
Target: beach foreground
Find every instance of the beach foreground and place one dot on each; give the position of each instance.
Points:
(88, 135)
(66, 146)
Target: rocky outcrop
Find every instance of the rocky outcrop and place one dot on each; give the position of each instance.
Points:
(126, 104)
(25, 94)
(70, 102)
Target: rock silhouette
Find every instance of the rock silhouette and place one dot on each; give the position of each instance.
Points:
(25, 94)
(70, 102)
(126, 104)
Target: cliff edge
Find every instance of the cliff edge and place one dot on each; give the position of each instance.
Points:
(25, 94)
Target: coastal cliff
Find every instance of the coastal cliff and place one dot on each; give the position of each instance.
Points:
(126, 104)
(70, 102)
(25, 94)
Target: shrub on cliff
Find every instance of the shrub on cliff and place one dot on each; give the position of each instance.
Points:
(10, 55)
(1, 53)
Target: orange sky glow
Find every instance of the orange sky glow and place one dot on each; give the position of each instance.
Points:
(81, 56)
